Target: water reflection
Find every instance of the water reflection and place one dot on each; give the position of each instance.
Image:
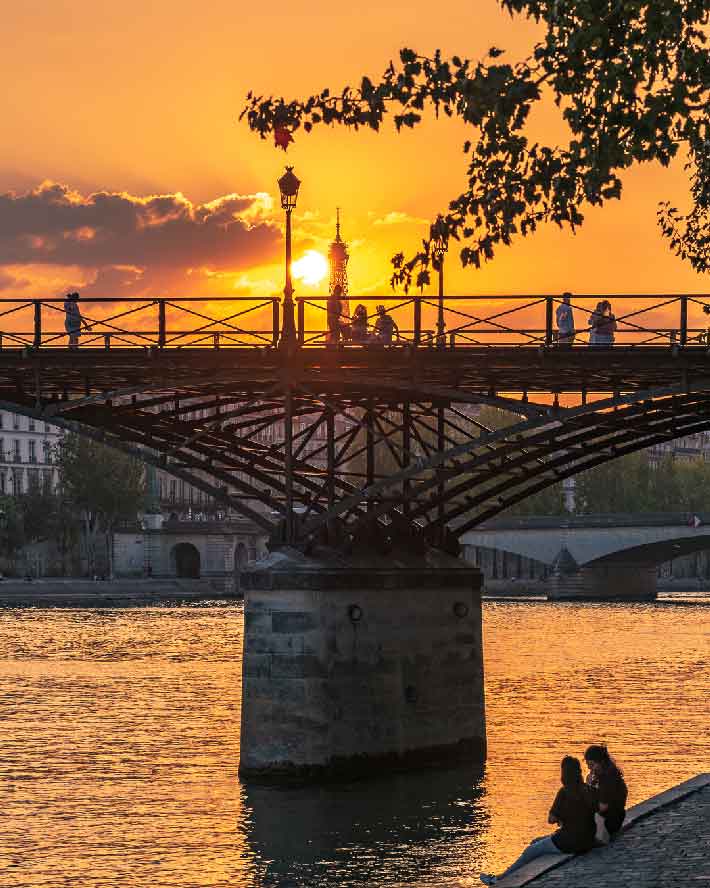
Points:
(120, 749)
(404, 829)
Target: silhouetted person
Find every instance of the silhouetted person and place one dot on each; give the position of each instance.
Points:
(603, 324)
(334, 311)
(573, 810)
(565, 321)
(72, 318)
(358, 325)
(385, 326)
(607, 780)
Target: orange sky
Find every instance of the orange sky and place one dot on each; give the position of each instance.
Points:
(142, 99)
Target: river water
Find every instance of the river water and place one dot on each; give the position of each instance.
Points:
(119, 747)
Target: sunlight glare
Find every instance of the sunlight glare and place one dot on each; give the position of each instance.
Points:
(311, 268)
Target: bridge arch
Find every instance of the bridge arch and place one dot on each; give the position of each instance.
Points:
(185, 560)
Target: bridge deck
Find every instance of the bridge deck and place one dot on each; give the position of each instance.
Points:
(376, 370)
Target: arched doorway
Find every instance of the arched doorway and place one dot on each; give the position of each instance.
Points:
(187, 560)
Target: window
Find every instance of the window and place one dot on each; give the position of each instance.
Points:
(3, 482)
(31, 424)
(47, 481)
(17, 455)
(47, 449)
(16, 420)
(2, 419)
(33, 479)
(17, 482)
(32, 456)
(173, 490)
(2, 451)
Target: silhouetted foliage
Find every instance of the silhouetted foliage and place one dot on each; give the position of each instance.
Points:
(631, 81)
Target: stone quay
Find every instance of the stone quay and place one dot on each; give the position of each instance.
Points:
(664, 843)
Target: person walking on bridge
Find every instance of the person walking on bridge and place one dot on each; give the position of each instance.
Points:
(72, 318)
(565, 321)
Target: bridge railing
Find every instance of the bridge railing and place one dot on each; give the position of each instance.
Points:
(638, 320)
(199, 322)
(661, 320)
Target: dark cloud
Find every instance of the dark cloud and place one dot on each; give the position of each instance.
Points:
(54, 225)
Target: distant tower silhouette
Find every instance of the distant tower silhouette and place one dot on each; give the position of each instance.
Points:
(338, 258)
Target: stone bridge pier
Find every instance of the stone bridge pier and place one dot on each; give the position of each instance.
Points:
(349, 668)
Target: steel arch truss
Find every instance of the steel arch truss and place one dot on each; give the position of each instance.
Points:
(307, 460)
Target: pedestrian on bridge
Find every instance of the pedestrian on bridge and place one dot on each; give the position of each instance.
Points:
(73, 319)
(385, 326)
(336, 328)
(602, 324)
(358, 325)
(565, 321)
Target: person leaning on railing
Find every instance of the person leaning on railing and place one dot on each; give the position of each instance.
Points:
(602, 324)
(72, 319)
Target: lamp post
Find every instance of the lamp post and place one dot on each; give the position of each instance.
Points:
(288, 186)
(439, 246)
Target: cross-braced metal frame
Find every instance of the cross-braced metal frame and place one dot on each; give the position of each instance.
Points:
(344, 443)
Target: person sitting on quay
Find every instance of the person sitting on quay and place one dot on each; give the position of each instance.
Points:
(358, 326)
(573, 809)
(72, 319)
(385, 327)
(565, 321)
(607, 781)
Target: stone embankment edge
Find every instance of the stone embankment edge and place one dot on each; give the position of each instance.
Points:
(536, 868)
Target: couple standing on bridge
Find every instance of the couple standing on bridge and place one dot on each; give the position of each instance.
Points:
(576, 807)
(602, 323)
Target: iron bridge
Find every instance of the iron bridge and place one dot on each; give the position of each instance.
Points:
(312, 438)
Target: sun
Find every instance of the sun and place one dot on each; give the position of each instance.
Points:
(311, 268)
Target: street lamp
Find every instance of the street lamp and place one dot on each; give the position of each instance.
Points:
(439, 245)
(288, 186)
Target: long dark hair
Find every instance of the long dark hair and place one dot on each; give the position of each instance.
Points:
(599, 754)
(571, 773)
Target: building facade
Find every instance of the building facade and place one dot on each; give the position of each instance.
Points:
(27, 454)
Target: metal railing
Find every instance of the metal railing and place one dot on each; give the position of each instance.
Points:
(659, 320)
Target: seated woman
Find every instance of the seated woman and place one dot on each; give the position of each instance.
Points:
(358, 325)
(573, 810)
(607, 781)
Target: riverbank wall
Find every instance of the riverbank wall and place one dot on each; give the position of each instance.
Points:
(72, 592)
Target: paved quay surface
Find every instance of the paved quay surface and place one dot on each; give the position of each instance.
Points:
(667, 849)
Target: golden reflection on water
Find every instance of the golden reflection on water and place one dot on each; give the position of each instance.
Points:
(119, 749)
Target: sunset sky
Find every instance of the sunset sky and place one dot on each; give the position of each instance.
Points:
(124, 169)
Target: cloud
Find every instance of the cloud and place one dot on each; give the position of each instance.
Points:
(10, 282)
(126, 240)
(398, 218)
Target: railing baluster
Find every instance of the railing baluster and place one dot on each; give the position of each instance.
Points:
(38, 324)
(107, 341)
(683, 320)
(417, 320)
(161, 323)
(548, 321)
(301, 321)
(276, 319)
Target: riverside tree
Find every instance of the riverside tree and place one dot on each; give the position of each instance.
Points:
(104, 487)
(631, 80)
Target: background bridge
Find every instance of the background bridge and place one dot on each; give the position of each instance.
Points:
(313, 439)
